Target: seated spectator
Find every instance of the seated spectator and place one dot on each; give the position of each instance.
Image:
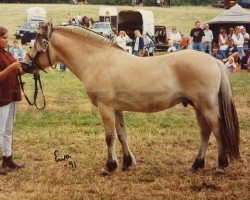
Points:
(230, 65)
(215, 53)
(175, 36)
(245, 59)
(171, 47)
(232, 50)
(17, 52)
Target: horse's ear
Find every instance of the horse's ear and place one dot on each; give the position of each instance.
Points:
(49, 29)
(45, 30)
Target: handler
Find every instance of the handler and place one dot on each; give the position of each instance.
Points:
(10, 94)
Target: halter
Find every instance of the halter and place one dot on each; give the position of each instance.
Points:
(36, 76)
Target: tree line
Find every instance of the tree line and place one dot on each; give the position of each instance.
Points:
(117, 2)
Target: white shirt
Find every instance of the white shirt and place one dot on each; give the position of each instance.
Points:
(136, 47)
(238, 40)
(121, 41)
(223, 40)
(175, 37)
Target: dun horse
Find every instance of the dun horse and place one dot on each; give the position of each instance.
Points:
(116, 81)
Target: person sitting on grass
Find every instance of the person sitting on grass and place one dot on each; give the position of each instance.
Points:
(215, 53)
(230, 65)
(171, 47)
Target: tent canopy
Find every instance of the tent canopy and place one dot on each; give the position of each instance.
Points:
(235, 16)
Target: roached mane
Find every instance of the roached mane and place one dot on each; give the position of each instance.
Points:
(85, 32)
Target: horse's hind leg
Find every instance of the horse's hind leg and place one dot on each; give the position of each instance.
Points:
(108, 118)
(205, 132)
(128, 158)
(212, 119)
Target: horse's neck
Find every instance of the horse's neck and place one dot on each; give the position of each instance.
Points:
(78, 54)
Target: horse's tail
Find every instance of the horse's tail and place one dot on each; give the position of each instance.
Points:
(229, 124)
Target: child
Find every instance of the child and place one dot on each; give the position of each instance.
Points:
(171, 47)
(230, 65)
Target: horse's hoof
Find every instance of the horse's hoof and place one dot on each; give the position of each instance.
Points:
(104, 172)
(128, 162)
(219, 172)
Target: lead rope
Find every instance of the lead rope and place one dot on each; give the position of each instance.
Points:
(36, 77)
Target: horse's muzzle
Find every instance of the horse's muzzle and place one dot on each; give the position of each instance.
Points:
(27, 67)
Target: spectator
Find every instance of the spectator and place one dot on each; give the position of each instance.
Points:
(246, 38)
(137, 43)
(73, 20)
(215, 53)
(171, 47)
(232, 50)
(230, 65)
(10, 95)
(62, 67)
(248, 65)
(175, 37)
(69, 19)
(239, 41)
(197, 37)
(208, 39)
(244, 60)
(231, 32)
(17, 52)
(123, 39)
(223, 43)
(79, 19)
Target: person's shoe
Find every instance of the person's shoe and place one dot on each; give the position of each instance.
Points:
(2, 172)
(8, 162)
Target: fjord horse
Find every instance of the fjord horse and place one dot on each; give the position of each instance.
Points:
(116, 81)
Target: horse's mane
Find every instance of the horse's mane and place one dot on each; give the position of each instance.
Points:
(85, 32)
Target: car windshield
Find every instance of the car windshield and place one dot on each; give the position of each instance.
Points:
(101, 26)
(31, 24)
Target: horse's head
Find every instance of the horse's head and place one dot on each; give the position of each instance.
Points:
(39, 57)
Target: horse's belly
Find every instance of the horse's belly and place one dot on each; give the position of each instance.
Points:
(146, 103)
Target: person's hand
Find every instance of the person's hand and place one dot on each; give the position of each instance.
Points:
(16, 66)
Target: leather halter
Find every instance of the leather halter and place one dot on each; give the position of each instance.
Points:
(36, 76)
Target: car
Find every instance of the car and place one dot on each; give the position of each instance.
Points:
(103, 28)
(162, 38)
(27, 26)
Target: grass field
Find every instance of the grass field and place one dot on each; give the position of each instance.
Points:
(164, 144)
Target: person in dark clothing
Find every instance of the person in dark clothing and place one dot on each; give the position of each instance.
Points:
(10, 94)
(197, 37)
(245, 59)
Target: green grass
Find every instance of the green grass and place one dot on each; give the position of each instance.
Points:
(164, 144)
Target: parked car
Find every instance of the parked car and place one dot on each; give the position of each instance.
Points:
(35, 16)
(103, 28)
(162, 38)
(27, 26)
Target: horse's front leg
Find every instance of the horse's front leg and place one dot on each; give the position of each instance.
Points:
(108, 118)
(128, 158)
